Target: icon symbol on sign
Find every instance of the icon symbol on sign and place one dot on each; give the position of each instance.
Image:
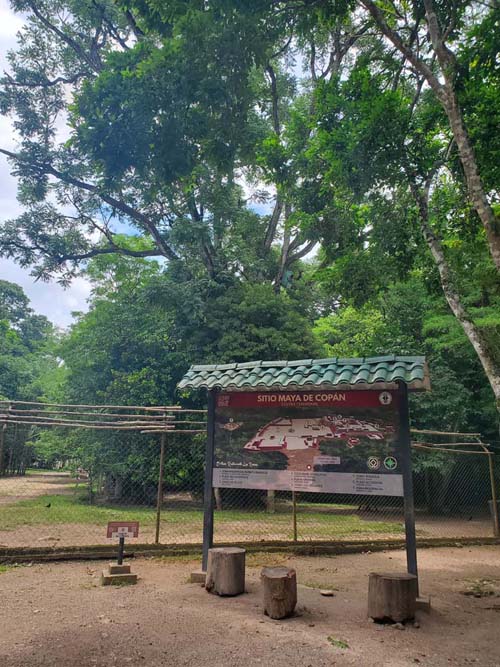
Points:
(373, 463)
(385, 398)
(390, 462)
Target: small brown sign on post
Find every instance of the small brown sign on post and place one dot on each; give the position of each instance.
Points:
(120, 573)
(123, 529)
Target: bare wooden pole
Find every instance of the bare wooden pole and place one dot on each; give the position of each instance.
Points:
(450, 433)
(432, 448)
(496, 525)
(60, 420)
(170, 430)
(97, 426)
(2, 448)
(156, 408)
(159, 499)
(294, 515)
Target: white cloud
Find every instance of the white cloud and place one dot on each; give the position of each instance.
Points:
(49, 299)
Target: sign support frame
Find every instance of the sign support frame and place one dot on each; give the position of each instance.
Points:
(208, 496)
(406, 467)
(408, 498)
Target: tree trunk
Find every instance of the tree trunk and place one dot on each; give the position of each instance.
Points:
(473, 333)
(226, 571)
(449, 101)
(285, 249)
(392, 597)
(475, 187)
(218, 498)
(118, 489)
(279, 590)
(270, 501)
(445, 92)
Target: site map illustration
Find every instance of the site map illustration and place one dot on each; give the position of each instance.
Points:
(335, 442)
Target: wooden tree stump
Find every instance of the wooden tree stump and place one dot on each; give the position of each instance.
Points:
(226, 571)
(392, 596)
(280, 591)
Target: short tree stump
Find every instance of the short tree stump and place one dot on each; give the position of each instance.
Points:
(226, 571)
(392, 596)
(280, 591)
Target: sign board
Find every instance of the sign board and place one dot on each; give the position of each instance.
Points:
(123, 528)
(322, 441)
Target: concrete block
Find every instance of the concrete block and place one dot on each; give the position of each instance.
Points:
(198, 577)
(424, 603)
(108, 579)
(114, 568)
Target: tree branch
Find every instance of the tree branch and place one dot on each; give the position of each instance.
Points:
(107, 250)
(47, 83)
(419, 64)
(273, 223)
(117, 204)
(274, 99)
(93, 64)
(303, 252)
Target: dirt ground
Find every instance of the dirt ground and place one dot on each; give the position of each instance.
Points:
(33, 485)
(59, 615)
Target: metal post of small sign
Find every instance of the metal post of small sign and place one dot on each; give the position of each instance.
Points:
(208, 496)
(120, 573)
(121, 547)
(159, 496)
(406, 469)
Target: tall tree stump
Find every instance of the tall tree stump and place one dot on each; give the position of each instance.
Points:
(392, 596)
(280, 591)
(226, 571)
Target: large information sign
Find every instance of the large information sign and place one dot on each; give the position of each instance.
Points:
(323, 441)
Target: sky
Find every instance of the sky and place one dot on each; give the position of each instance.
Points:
(48, 299)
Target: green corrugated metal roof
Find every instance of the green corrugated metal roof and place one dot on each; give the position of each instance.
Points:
(307, 373)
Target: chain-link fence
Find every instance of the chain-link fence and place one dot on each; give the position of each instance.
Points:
(60, 501)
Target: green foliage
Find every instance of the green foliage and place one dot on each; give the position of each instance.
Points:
(175, 111)
(29, 368)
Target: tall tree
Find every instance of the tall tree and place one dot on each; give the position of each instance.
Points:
(159, 138)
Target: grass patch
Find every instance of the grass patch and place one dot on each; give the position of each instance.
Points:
(338, 643)
(67, 509)
(327, 506)
(230, 524)
(181, 558)
(6, 568)
(482, 588)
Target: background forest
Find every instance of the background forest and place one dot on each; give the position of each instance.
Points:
(239, 181)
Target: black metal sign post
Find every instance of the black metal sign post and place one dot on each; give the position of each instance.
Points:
(121, 547)
(409, 505)
(208, 503)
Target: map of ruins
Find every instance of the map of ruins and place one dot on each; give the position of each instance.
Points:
(288, 434)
